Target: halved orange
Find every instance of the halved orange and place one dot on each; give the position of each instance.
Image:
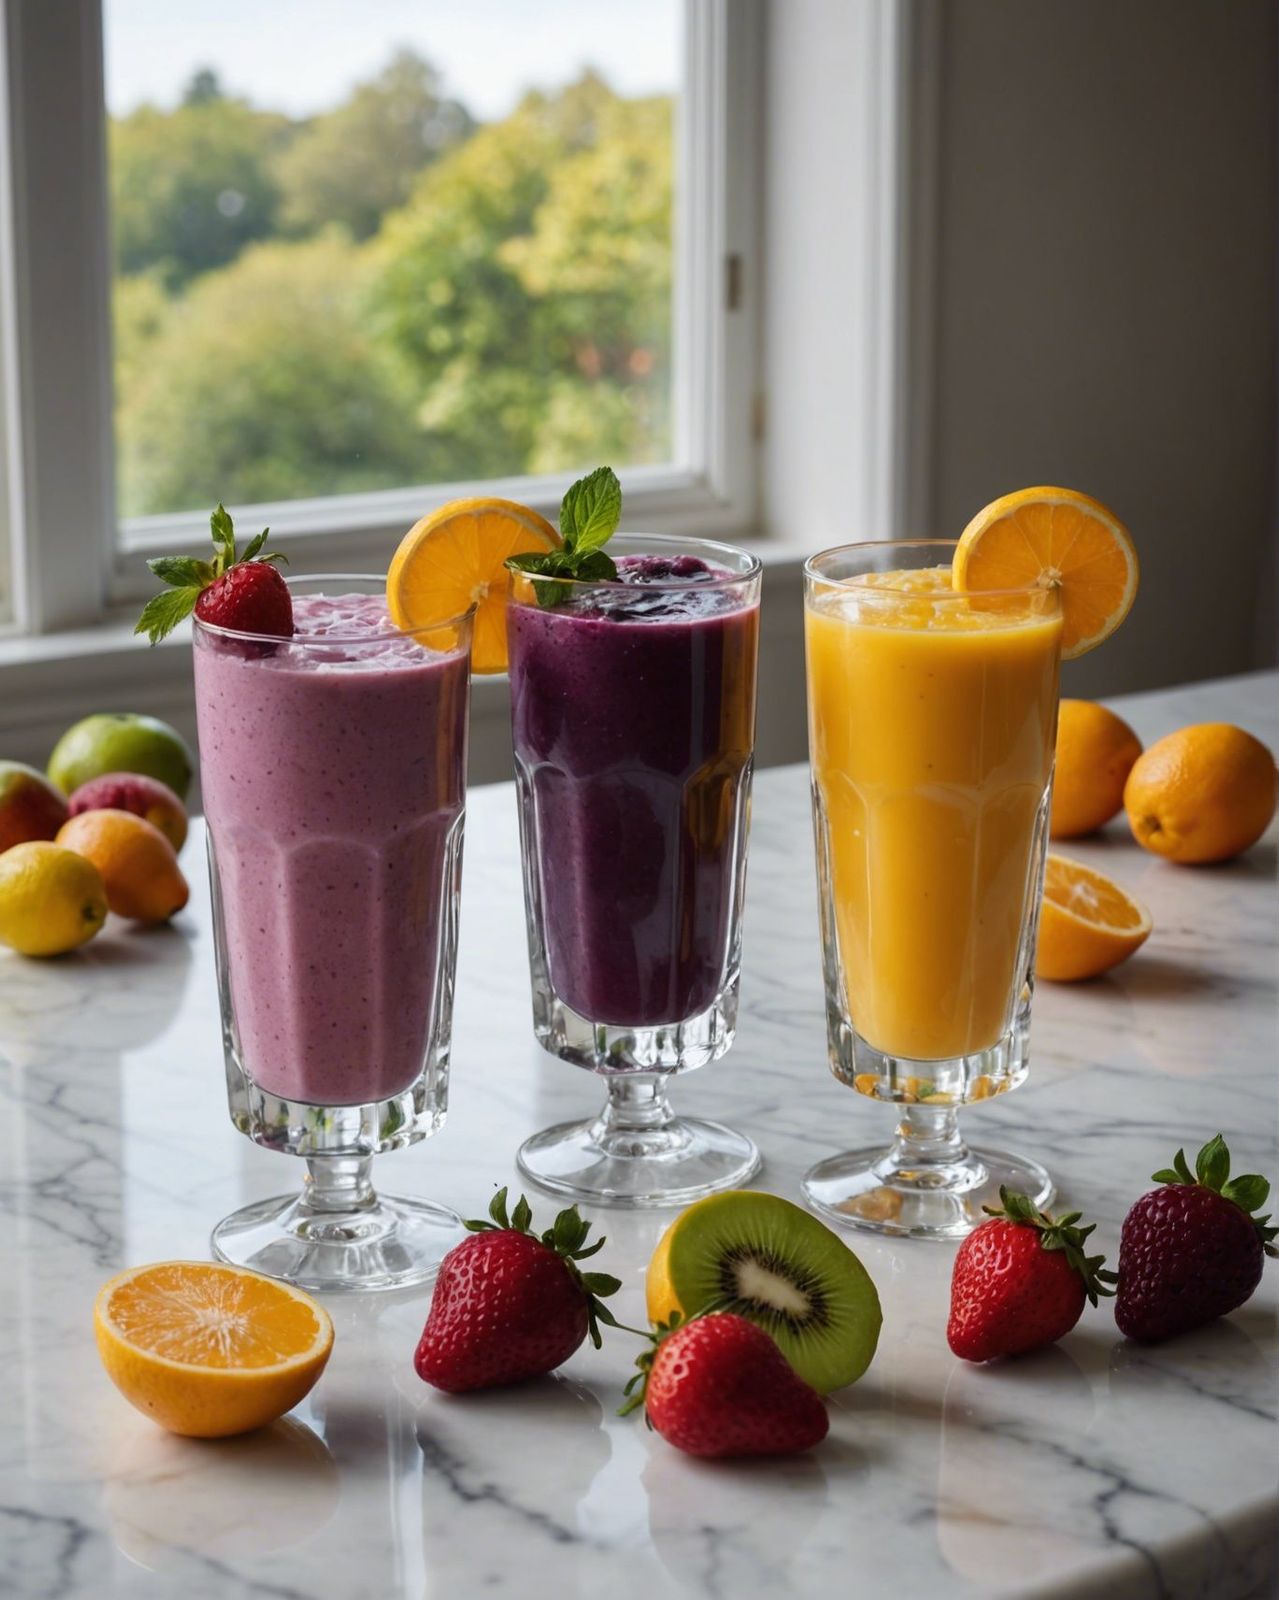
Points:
(209, 1350)
(1058, 537)
(1087, 924)
(454, 559)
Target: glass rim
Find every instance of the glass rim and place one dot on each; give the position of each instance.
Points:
(327, 640)
(676, 544)
(858, 580)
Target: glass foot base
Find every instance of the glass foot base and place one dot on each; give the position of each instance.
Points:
(381, 1242)
(670, 1165)
(875, 1189)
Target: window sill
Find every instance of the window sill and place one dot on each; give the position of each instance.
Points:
(48, 681)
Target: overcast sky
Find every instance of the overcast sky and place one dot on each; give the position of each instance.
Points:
(302, 56)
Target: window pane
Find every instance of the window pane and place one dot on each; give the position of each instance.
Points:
(362, 247)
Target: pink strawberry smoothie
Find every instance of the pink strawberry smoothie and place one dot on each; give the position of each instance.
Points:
(333, 771)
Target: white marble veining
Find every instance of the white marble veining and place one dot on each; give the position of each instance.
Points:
(1097, 1468)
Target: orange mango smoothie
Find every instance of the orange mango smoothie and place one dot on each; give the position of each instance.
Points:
(932, 721)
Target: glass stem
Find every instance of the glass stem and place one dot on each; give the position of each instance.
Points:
(338, 1183)
(928, 1136)
(637, 1103)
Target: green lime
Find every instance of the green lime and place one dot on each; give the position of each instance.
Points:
(121, 741)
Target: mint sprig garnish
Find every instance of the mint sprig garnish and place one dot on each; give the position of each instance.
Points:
(589, 514)
(188, 576)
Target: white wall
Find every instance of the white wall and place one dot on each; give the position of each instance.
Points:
(1105, 313)
(1098, 302)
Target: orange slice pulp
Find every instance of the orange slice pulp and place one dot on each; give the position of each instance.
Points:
(454, 559)
(1045, 536)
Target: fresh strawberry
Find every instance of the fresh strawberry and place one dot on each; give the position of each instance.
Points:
(509, 1305)
(718, 1386)
(245, 593)
(1020, 1281)
(1191, 1250)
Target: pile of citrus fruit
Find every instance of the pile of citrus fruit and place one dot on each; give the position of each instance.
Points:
(1202, 794)
(99, 832)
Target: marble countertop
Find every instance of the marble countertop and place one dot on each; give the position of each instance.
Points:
(1096, 1468)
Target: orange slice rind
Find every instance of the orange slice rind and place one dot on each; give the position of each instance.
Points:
(454, 559)
(209, 1350)
(1087, 923)
(1045, 537)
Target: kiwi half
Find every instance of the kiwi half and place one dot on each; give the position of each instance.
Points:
(771, 1261)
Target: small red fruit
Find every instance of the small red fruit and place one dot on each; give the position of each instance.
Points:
(508, 1305)
(1191, 1251)
(30, 806)
(718, 1386)
(144, 797)
(1020, 1281)
(250, 597)
(243, 593)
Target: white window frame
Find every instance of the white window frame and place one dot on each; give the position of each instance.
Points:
(73, 566)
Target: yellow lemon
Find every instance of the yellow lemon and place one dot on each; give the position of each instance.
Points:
(51, 899)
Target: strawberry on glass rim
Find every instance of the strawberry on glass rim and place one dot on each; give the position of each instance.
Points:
(243, 593)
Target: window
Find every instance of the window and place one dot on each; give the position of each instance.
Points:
(362, 248)
(218, 290)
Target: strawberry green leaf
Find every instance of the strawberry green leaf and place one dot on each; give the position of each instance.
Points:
(497, 1209)
(223, 538)
(164, 611)
(1212, 1164)
(522, 1215)
(254, 545)
(1249, 1191)
(1165, 1175)
(183, 572)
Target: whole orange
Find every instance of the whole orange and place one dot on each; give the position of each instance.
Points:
(137, 863)
(1095, 753)
(1204, 793)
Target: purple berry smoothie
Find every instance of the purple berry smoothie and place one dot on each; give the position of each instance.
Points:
(334, 781)
(633, 716)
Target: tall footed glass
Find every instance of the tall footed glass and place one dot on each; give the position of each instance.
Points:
(932, 725)
(333, 771)
(633, 714)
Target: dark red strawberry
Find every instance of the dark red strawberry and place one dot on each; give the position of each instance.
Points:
(245, 593)
(1020, 1281)
(1191, 1251)
(509, 1305)
(719, 1386)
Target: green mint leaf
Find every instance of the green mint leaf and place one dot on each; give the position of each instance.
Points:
(164, 611)
(223, 538)
(183, 572)
(591, 511)
(1248, 1191)
(1212, 1164)
(530, 561)
(596, 566)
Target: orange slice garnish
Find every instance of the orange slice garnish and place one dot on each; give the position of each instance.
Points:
(454, 559)
(208, 1350)
(1056, 537)
(1087, 925)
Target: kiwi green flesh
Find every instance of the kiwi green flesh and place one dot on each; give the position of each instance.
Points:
(771, 1261)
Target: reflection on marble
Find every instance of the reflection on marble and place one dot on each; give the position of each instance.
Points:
(1098, 1468)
